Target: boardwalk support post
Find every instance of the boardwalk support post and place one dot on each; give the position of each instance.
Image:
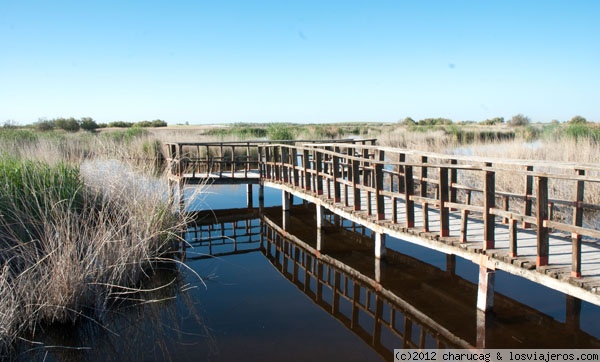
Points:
(485, 290)
(320, 216)
(249, 196)
(285, 200)
(379, 245)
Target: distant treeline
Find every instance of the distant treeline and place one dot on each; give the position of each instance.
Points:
(86, 123)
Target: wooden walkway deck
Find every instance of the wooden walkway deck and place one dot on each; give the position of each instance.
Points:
(531, 219)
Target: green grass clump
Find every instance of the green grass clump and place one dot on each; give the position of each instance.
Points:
(280, 132)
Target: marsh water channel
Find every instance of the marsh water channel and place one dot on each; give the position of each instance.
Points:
(248, 288)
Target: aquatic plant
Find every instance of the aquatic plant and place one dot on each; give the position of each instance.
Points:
(76, 239)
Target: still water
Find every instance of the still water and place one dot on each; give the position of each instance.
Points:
(245, 291)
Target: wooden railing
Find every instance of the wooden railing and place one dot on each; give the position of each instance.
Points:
(526, 195)
(238, 159)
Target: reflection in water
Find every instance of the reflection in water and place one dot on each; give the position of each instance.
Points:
(143, 326)
(301, 292)
(401, 302)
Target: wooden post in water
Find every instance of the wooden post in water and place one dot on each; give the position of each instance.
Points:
(379, 245)
(489, 202)
(541, 184)
(485, 289)
(249, 195)
(577, 222)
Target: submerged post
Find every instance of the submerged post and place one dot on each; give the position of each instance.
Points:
(485, 290)
(249, 196)
(379, 245)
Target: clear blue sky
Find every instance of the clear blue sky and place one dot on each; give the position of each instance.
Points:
(298, 61)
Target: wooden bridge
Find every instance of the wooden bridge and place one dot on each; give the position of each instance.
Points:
(536, 220)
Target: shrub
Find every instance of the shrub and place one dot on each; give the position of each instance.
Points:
(519, 120)
(67, 124)
(88, 124)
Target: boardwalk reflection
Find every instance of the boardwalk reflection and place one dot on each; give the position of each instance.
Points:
(392, 303)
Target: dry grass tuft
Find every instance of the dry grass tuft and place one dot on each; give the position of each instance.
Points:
(75, 233)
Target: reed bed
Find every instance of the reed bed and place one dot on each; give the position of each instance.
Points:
(82, 224)
(557, 146)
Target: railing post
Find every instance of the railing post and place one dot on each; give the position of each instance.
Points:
(453, 180)
(267, 162)
(401, 183)
(444, 196)
(464, 220)
(355, 184)
(232, 161)
(337, 192)
(319, 168)
(285, 162)
(527, 198)
(276, 167)
(379, 199)
(408, 192)
(348, 174)
(306, 168)
(423, 184)
(295, 166)
(541, 184)
(247, 164)
(489, 202)
(577, 221)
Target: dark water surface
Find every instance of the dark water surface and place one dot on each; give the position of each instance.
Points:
(249, 293)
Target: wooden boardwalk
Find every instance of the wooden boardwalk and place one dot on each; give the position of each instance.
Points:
(531, 219)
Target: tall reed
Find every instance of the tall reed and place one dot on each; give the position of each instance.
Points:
(79, 229)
